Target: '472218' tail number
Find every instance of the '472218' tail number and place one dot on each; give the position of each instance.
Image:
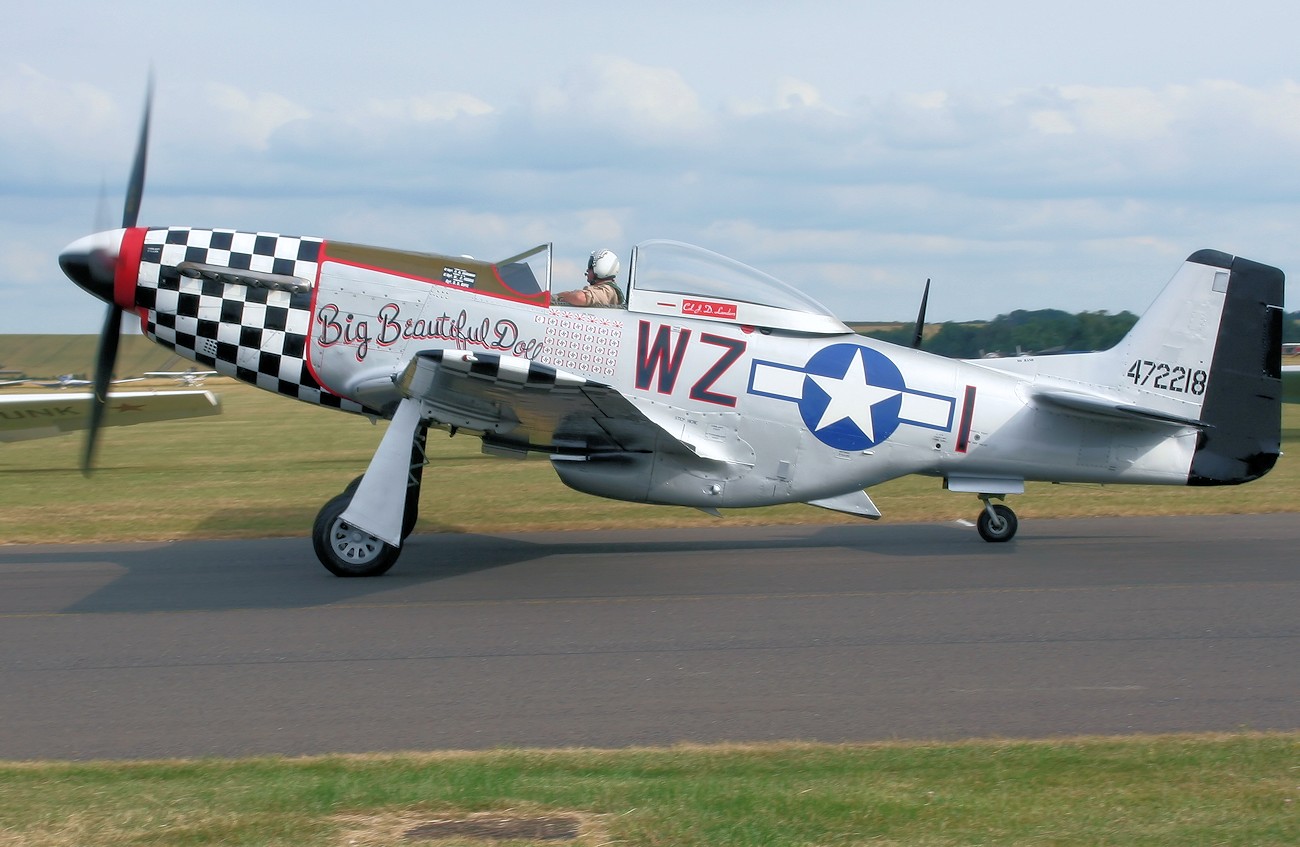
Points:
(1165, 377)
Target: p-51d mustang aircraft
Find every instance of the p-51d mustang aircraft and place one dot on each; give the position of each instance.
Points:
(714, 385)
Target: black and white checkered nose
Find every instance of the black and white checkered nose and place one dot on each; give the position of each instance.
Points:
(91, 262)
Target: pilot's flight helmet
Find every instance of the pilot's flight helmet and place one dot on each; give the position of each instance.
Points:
(603, 264)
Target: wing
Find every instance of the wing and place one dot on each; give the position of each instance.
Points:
(520, 405)
(27, 416)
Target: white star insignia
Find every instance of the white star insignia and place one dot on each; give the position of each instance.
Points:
(852, 397)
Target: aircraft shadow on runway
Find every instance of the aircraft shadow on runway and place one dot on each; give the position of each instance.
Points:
(283, 573)
(452, 567)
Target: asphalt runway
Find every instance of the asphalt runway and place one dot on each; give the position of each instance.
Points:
(610, 639)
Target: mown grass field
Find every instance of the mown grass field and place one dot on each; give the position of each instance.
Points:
(46, 356)
(266, 465)
(1140, 792)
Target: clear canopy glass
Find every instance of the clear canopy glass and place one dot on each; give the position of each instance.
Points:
(669, 277)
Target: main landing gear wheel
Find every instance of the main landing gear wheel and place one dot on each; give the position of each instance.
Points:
(345, 550)
(997, 522)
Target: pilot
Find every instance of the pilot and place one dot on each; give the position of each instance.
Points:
(600, 290)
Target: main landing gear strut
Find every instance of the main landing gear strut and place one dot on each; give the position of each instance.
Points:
(996, 522)
(348, 551)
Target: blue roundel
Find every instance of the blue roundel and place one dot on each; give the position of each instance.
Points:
(852, 396)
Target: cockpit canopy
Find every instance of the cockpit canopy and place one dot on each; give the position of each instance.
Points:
(672, 278)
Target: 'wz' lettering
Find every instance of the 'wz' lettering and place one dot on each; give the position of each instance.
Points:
(659, 357)
(660, 362)
(733, 350)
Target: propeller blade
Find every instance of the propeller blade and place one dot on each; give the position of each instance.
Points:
(920, 317)
(105, 359)
(99, 260)
(111, 334)
(135, 188)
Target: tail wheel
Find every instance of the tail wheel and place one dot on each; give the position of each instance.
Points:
(345, 550)
(997, 523)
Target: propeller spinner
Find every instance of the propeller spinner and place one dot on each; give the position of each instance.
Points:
(93, 263)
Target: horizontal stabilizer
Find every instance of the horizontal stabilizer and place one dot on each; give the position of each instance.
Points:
(1092, 404)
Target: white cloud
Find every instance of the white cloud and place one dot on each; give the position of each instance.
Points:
(1124, 114)
(440, 106)
(613, 97)
(31, 100)
(49, 127)
(788, 94)
(1012, 158)
(1052, 122)
(251, 119)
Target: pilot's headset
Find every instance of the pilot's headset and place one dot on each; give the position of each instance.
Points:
(603, 264)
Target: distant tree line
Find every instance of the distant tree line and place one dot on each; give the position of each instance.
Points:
(1039, 331)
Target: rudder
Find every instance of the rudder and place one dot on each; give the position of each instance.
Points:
(1243, 396)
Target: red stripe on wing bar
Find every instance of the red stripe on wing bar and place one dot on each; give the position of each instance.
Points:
(967, 410)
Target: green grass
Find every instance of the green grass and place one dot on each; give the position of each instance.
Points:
(264, 467)
(42, 356)
(266, 464)
(1144, 792)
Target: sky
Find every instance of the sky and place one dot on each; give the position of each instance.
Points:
(1023, 155)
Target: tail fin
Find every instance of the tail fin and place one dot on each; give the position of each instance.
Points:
(1210, 349)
